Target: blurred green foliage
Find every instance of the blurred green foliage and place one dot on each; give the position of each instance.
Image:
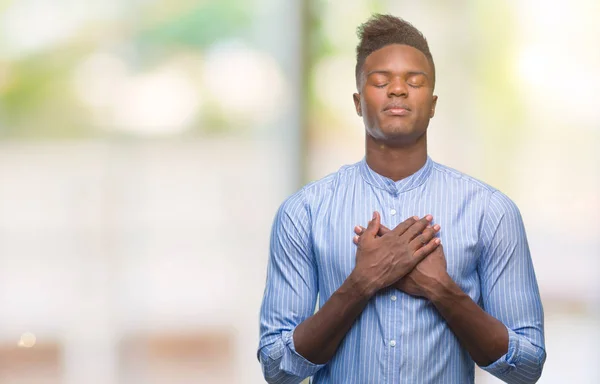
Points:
(198, 26)
(37, 99)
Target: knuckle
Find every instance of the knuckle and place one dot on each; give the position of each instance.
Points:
(408, 223)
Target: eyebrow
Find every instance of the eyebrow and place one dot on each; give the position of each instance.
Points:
(410, 73)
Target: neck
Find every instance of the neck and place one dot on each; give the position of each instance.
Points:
(396, 162)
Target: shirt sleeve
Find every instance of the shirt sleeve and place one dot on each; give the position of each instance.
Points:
(510, 292)
(290, 294)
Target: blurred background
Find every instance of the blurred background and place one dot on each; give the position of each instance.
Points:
(145, 146)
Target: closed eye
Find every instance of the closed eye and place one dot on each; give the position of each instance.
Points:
(380, 85)
(416, 81)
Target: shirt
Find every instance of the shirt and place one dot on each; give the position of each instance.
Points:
(399, 338)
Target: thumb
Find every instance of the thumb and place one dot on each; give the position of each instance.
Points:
(374, 225)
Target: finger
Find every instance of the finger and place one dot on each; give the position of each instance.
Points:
(424, 238)
(356, 239)
(382, 230)
(425, 250)
(402, 227)
(418, 227)
(373, 226)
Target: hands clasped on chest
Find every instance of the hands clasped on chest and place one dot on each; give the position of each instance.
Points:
(409, 257)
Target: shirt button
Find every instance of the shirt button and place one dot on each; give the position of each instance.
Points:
(393, 212)
(393, 297)
(393, 343)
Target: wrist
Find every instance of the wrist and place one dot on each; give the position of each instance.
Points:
(440, 288)
(361, 285)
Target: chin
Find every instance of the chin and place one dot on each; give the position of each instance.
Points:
(399, 135)
(395, 133)
(398, 132)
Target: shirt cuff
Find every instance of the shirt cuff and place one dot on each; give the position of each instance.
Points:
(508, 361)
(292, 362)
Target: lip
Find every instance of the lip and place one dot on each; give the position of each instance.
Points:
(396, 109)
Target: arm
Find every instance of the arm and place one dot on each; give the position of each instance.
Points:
(294, 344)
(510, 292)
(484, 337)
(318, 337)
(505, 337)
(290, 294)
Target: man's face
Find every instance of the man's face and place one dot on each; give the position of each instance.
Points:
(396, 97)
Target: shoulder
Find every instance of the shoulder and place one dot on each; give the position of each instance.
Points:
(494, 200)
(316, 192)
(451, 175)
(347, 174)
(501, 206)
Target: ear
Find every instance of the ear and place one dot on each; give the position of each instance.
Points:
(433, 104)
(356, 98)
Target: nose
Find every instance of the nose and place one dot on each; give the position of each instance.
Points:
(397, 88)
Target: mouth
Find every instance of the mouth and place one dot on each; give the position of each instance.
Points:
(396, 109)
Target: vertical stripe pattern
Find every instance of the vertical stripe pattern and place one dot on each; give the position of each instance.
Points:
(399, 338)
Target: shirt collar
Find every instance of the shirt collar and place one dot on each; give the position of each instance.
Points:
(396, 187)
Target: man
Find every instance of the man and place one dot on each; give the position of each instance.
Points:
(448, 281)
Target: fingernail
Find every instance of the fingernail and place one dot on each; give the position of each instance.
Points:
(429, 217)
(436, 227)
(374, 215)
(416, 217)
(437, 241)
(355, 238)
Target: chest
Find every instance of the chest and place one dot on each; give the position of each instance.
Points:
(333, 232)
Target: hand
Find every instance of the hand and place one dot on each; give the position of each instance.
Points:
(382, 260)
(420, 281)
(430, 270)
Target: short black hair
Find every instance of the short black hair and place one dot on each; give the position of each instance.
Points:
(382, 30)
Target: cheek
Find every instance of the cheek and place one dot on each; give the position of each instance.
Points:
(367, 109)
(371, 105)
(426, 107)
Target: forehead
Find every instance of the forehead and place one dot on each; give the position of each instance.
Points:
(397, 58)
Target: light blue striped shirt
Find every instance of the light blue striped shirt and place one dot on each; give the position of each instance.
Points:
(399, 338)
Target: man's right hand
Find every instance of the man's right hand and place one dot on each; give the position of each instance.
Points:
(383, 260)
